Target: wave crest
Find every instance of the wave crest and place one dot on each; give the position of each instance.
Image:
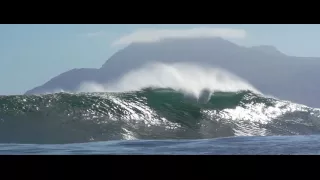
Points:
(185, 77)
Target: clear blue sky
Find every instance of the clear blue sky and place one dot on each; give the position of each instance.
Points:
(30, 55)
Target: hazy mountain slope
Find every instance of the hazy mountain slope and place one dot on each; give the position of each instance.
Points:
(286, 77)
(69, 80)
(268, 49)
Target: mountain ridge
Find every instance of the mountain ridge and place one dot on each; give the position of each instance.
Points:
(265, 67)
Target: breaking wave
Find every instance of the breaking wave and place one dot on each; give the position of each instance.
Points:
(158, 101)
(149, 114)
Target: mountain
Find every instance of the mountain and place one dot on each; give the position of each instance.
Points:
(268, 49)
(265, 67)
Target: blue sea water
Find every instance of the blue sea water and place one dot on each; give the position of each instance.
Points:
(269, 145)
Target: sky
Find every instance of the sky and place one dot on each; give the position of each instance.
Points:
(30, 55)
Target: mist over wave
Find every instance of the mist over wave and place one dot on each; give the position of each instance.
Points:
(185, 77)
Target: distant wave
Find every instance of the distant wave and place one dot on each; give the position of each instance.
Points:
(149, 113)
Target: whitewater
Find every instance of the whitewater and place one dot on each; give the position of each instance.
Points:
(186, 77)
(179, 108)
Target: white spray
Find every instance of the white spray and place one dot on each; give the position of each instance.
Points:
(185, 77)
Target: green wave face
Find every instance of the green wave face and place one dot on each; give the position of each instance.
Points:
(149, 114)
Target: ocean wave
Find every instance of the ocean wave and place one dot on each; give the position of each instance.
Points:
(149, 113)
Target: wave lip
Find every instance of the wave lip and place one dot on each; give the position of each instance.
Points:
(150, 113)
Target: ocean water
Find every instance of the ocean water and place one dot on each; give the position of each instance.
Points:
(271, 145)
(163, 109)
(156, 121)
